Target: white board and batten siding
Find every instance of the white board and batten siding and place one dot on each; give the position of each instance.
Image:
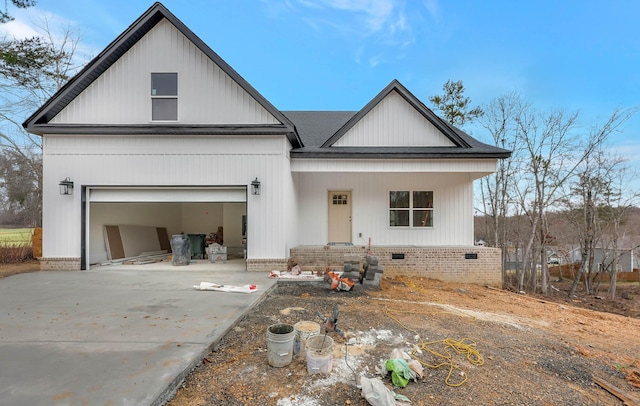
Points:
(394, 122)
(140, 161)
(206, 94)
(453, 208)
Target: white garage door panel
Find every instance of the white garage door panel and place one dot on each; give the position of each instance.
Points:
(237, 195)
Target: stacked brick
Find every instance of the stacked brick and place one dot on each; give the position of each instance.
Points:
(351, 268)
(372, 271)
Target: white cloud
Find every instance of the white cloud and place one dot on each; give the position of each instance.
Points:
(400, 24)
(32, 22)
(374, 32)
(375, 15)
(376, 12)
(18, 29)
(376, 60)
(629, 149)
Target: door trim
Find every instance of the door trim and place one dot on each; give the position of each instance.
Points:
(339, 199)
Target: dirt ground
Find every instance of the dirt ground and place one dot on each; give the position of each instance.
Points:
(504, 348)
(20, 267)
(479, 346)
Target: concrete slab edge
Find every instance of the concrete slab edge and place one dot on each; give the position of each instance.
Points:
(170, 392)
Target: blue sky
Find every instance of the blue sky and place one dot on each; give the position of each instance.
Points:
(337, 54)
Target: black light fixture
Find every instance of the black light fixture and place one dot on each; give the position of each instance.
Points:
(255, 187)
(66, 187)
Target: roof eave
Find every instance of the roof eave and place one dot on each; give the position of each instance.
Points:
(392, 156)
(276, 129)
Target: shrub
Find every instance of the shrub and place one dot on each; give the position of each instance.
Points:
(15, 253)
(15, 245)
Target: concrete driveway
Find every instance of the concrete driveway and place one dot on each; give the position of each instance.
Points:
(114, 335)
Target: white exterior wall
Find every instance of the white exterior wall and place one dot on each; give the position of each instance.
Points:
(453, 207)
(289, 205)
(145, 160)
(475, 168)
(122, 94)
(394, 122)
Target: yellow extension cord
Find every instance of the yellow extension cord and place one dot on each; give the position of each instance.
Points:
(464, 346)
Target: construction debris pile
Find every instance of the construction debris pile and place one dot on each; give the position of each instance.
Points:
(306, 339)
(369, 275)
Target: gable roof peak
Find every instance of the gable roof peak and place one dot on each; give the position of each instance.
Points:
(123, 43)
(395, 86)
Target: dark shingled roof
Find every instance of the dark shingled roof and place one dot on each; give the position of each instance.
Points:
(315, 127)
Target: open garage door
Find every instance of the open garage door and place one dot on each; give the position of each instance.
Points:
(189, 210)
(168, 195)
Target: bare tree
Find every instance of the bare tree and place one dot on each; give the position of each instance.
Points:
(31, 71)
(500, 121)
(618, 200)
(550, 145)
(555, 148)
(594, 182)
(590, 188)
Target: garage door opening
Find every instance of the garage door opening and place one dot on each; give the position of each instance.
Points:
(210, 212)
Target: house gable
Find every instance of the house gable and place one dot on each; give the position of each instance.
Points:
(393, 122)
(111, 95)
(394, 125)
(383, 115)
(206, 93)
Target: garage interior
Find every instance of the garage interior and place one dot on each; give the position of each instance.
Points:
(200, 218)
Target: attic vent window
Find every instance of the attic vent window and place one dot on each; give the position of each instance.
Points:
(164, 96)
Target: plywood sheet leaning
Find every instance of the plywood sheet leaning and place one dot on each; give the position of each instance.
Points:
(127, 241)
(163, 238)
(112, 239)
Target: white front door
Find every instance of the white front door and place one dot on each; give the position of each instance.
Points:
(339, 217)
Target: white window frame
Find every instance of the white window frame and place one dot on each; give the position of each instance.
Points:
(155, 96)
(411, 209)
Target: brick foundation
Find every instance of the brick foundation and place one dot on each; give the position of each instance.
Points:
(266, 264)
(59, 264)
(478, 265)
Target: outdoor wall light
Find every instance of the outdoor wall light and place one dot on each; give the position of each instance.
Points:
(255, 187)
(66, 187)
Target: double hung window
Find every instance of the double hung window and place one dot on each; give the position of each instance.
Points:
(412, 209)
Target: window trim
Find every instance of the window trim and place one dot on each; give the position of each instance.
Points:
(165, 96)
(410, 209)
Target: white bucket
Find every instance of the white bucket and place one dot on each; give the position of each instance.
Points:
(280, 344)
(304, 330)
(319, 354)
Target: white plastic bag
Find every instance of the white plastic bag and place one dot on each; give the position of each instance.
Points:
(376, 393)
